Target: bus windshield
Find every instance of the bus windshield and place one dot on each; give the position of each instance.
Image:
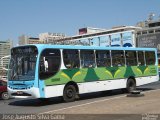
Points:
(23, 63)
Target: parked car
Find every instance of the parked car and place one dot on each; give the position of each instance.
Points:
(3, 90)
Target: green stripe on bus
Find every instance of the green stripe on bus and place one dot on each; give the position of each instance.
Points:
(101, 73)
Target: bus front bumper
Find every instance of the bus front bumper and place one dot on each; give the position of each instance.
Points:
(24, 93)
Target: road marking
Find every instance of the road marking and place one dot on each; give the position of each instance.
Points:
(74, 106)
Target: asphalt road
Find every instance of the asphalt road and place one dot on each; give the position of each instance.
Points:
(94, 100)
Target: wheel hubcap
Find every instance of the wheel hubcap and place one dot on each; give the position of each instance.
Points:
(70, 93)
(131, 86)
(5, 96)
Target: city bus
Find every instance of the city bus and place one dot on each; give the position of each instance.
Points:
(43, 71)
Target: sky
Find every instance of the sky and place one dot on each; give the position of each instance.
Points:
(32, 17)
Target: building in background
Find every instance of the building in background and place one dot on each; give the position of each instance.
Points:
(149, 35)
(23, 40)
(123, 36)
(5, 47)
(34, 40)
(44, 38)
(49, 38)
(89, 30)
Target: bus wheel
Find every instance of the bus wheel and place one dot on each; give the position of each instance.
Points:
(5, 96)
(131, 85)
(69, 93)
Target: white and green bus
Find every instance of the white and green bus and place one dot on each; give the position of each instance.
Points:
(45, 71)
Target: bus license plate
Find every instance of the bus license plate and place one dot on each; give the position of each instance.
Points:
(19, 92)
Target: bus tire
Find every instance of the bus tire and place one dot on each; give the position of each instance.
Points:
(131, 85)
(69, 93)
(5, 96)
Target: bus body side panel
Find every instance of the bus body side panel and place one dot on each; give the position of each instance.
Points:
(53, 91)
(99, 74)
(99, 79)
(146, 80)
(96, 86)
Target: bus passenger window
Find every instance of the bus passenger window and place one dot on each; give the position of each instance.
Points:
(150, 58)
(103, 58)
(131, 58)
(71, 58)
(87, 59)
(118, 58)
(49, 63)
(141, 58)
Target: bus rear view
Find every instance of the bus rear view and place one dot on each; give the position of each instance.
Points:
(21, 75)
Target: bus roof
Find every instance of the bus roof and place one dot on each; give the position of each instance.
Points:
(44, 46)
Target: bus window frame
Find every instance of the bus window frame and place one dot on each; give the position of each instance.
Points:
(109, 51)
(95, 59)
(147, 59)
(124, 64)
(93, 50)
(135, 57)
(79, 59)
(143, 57)
(40, 61)
(64, 58)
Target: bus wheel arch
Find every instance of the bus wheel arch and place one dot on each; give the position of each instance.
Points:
(130, 84)
(70, 91)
